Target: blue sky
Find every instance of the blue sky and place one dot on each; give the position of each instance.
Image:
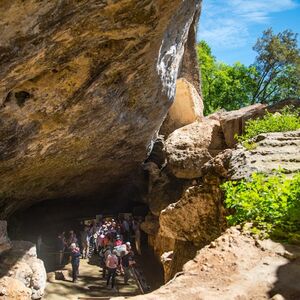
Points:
(231, 27)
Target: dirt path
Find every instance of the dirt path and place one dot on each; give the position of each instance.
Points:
(89, 284)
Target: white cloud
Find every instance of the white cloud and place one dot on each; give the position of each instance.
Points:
(223, 32)
(263, 7)
(226, 23)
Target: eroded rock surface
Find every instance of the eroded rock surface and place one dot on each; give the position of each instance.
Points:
(196, 217)
(236, 266)
(186, 108)
(11, 288)
(190, 147)
(233, 122)
(269, 152)
(22, 273)
(84, 87)
(190, 210)
(272, 151)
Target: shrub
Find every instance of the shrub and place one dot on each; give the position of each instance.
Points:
(271, 203)
(287, 120)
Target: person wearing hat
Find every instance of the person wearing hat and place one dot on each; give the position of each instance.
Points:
(118, 241)
(75, 259)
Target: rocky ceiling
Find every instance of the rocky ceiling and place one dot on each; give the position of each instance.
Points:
(84, 87)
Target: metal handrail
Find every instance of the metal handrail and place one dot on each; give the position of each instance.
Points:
(137, 280)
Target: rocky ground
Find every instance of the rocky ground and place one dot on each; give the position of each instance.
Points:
(237, 266)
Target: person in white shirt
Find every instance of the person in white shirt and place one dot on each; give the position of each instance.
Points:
(112, 264)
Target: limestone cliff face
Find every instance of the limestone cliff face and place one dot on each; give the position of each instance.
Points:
(185, 198)
(84, 87)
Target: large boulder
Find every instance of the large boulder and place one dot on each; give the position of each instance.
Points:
(266, 152)
(84, 87)
(24, 271)
(11, 288)
(233, 122)
(196, 217)
(190, 147)
(186, 108)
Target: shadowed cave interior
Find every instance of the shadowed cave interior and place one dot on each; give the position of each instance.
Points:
(50, 217)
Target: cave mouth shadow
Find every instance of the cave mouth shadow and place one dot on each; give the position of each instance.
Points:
(288, 276)
(50, 218)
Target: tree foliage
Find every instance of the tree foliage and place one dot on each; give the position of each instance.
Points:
(273, 76)
(224, 86)
(278, 67)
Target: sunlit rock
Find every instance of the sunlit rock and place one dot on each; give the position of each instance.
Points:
(186, 109)
(190, 147)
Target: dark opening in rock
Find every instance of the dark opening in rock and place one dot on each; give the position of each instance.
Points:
(21, 97)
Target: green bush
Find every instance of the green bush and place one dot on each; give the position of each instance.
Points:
(287, 120)
(271, 203)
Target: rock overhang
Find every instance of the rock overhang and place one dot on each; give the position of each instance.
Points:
(84, 88)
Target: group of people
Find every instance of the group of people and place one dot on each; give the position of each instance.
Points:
(111, 240)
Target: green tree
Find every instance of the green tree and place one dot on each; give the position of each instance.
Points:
(224, 86)
(278, 67)
(207, 64)
(274, 75)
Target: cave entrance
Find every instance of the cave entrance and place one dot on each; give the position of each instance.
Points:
(43, 222)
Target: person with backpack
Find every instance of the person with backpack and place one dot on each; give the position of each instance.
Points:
(112, 264)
